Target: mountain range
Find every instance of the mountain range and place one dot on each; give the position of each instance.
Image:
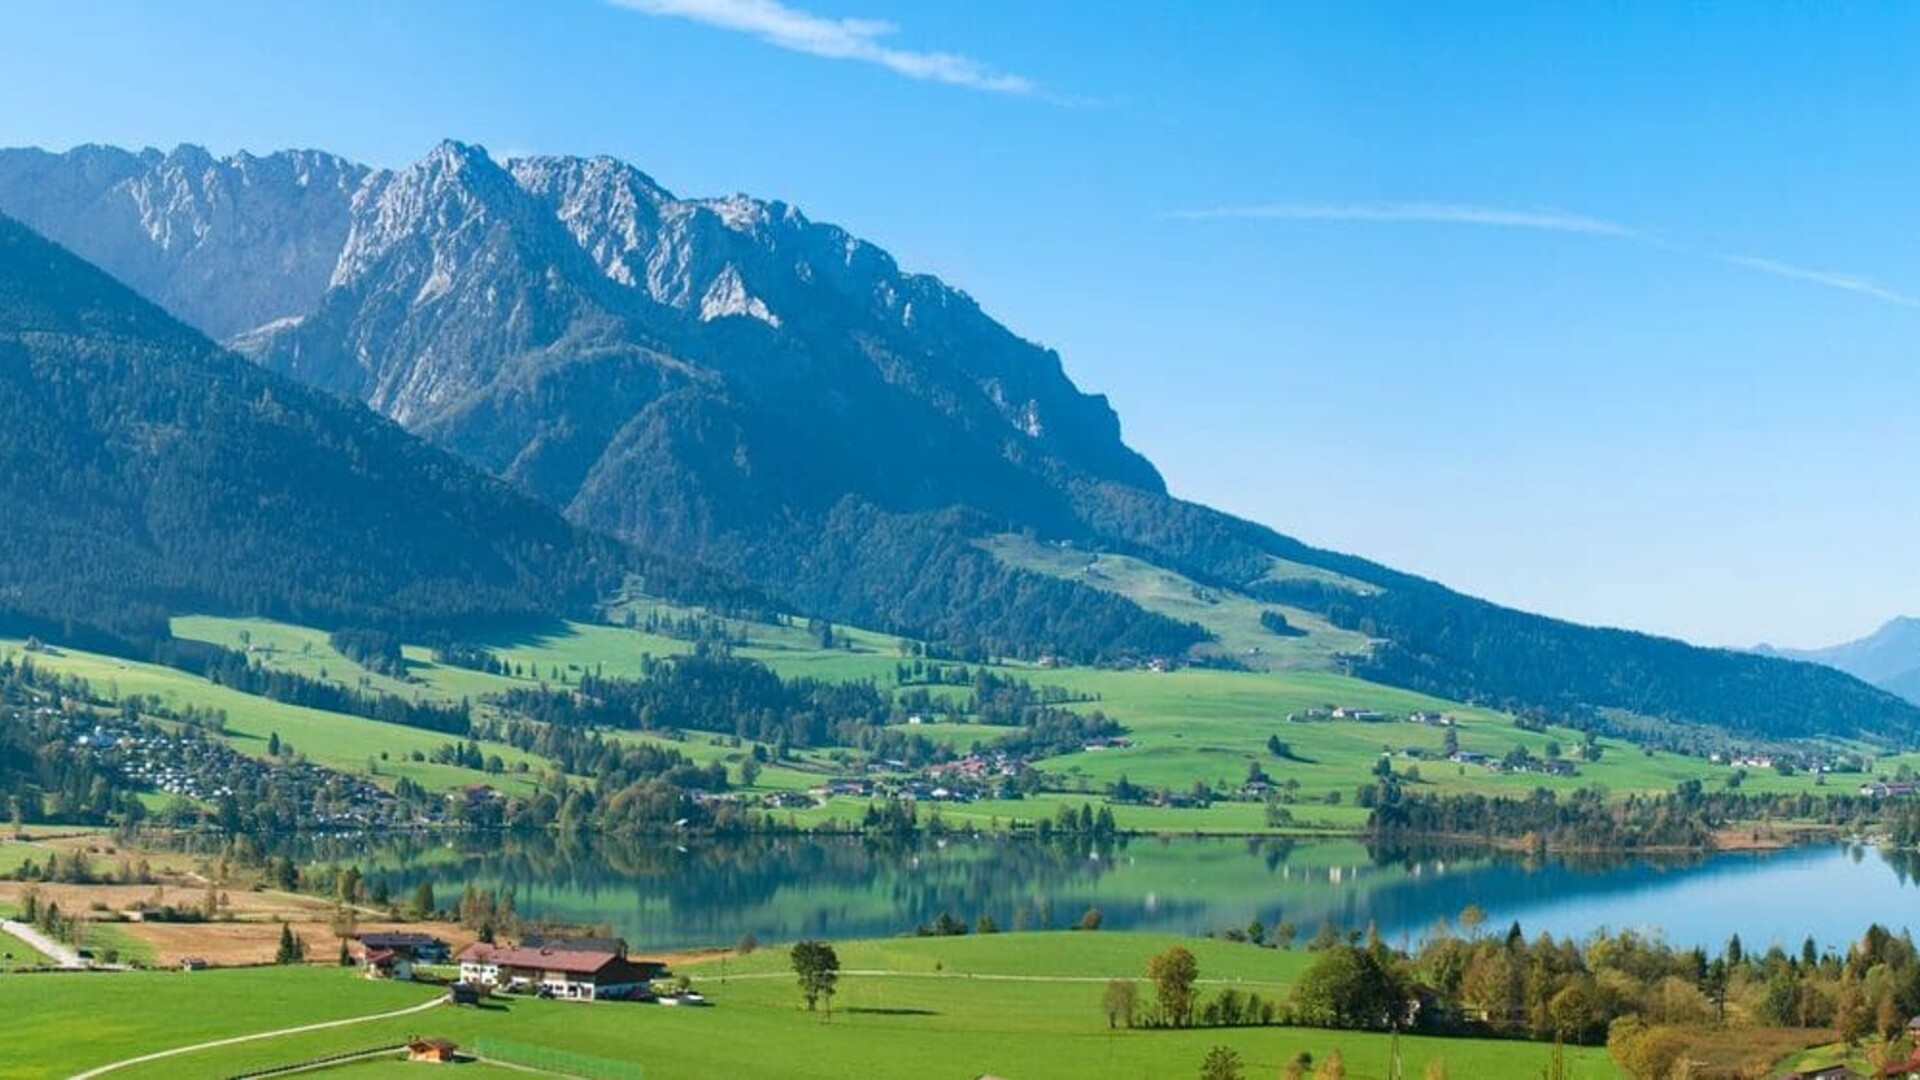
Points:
(728, 382)
(145, 471)
(1889, 657)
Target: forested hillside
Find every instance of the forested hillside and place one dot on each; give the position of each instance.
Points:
(728, 381)
(144, 471)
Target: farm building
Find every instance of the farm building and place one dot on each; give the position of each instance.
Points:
(437, 1051)
(388, 964)
(422, 948)
(563, 973)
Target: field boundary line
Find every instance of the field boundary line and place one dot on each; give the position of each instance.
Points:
(982, 977)
(214, 1044)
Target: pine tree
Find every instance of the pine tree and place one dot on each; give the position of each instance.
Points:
(289, 951)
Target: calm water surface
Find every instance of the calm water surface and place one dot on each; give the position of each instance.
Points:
(666, 895)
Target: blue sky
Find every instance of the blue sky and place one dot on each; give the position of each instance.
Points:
(1606, 311)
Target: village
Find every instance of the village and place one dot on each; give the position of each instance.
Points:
(202, 771)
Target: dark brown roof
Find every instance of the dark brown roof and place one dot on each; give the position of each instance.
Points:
(573, 963)
(401, 938)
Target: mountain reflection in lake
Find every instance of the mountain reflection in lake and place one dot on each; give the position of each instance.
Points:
(710, 892)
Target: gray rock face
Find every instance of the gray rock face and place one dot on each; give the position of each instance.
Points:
(450, 288)
(719, 378)
(227, 245)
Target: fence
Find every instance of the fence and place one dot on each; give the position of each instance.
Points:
(314, 1063)
(554, 1060)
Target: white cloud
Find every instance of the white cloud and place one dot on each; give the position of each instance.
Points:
(1831, 279)
(861, 40)
(1427, 213)
(1545, 219)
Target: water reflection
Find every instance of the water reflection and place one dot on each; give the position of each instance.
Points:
(781, 888)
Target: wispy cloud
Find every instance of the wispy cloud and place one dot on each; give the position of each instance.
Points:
(1539, 218)
(1426, 213)
(862, 40)
(1831, 279)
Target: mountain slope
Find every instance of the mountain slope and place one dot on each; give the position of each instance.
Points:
(145, 470)
(729, 381)
(1888, 657)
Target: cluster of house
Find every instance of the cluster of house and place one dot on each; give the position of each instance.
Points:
(1369, 716)
(566, 968)
(1881, 789)
(208, 769)
(1548, 766)
(981, 774)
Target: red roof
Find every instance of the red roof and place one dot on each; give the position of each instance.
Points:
(572, 963)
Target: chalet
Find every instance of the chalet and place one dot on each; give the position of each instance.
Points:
(436, 1051)
(422, 948)
(1884, 790)
(462, 993)
(560, 973)
(388, 964)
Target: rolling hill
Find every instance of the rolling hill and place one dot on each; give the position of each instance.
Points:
(727, 381)
(144, 470)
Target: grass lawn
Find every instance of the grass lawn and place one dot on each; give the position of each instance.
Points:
(1232, 617)
(58, 1024)
(929, 1012)
(15, 853)
(15, 953)
(336, 740)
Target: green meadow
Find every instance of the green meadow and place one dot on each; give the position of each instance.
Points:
(347, 743)
(15, 953)
(1187, 725)
(1014, 1005)
(1232, 617)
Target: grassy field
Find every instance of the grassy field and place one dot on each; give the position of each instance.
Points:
(1187, 725)
(348, 743)
(1009, 1005)
(60, 1024)
(1232, 617)
(15, 953)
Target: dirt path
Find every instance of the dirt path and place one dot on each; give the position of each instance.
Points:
(217, 1043)
(60, 954)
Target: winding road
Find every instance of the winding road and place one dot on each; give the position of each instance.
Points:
(234, 1040)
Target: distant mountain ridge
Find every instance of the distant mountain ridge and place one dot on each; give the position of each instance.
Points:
(1889, 657)
(728, 381)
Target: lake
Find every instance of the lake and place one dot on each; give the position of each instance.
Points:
(662, 895)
